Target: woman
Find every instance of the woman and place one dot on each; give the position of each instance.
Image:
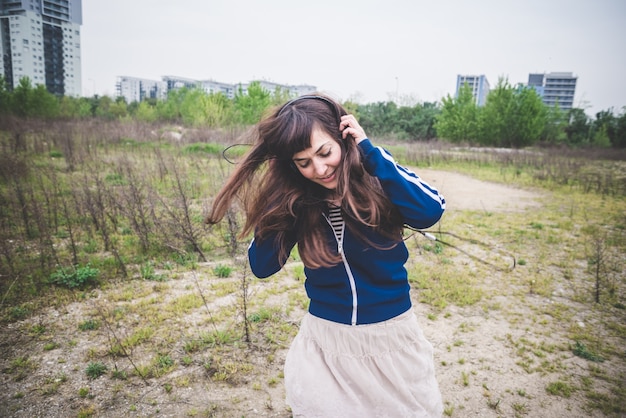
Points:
(344, 202)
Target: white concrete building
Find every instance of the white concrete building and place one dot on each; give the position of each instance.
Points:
(134, 89)
(555, 88)
(40, 39)
(477, 83)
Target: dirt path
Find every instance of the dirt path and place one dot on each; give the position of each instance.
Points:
(466, 193)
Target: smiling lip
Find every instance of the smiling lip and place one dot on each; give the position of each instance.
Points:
(328, 178)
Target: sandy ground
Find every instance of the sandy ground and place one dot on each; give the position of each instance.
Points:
(475, 354)
(466, 193)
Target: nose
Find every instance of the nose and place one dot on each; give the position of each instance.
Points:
(319, 166)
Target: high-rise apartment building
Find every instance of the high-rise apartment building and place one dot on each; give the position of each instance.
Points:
(555, 88)
(40, 39)
(478, 84)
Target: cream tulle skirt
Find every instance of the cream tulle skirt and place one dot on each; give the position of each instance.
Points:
(378, 370)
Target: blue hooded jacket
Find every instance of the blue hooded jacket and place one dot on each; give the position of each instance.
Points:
(371, 284)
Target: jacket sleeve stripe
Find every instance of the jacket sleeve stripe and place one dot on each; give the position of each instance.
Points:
(414, 178)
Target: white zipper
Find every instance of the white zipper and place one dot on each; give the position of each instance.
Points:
(347, 267)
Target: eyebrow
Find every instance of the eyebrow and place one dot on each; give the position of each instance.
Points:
(316, 152)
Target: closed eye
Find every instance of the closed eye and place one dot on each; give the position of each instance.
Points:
(304, 163)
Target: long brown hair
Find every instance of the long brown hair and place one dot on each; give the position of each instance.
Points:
(278, 200)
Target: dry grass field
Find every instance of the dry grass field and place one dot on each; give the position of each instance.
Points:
(510, 308)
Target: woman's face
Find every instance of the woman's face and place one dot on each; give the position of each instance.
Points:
(319, 162)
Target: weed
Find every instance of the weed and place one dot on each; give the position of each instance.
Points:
(89, 325)
(95, 370)
(76, 277)
(581, 351)
(465, 378)
(298, 272)
(86, 412)
(83, 392)
(448, 410)
(147, 272)
(519, 408)
(119, 374)
(50, 346)
(261, 315)
(222, 271)
(560, 388)
(18, 312)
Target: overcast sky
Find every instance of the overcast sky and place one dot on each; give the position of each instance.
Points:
(360, 49)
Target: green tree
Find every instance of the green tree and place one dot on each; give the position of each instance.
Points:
(512, 116)
(604, 128)
(529, 118)
(43, 103)
(352, 108)
(578, 128)
(417, 122)
(250, 107)
(619, 139)
(22, 98)
(458, 120)
(103, 107)
(280, 96)
(5, 97)
(118, 109)
(146, 112)
(192, 109)
(554, 130)
(85, 107)
(218, 110)
(378, 119)
(496, 119)
(170, 108)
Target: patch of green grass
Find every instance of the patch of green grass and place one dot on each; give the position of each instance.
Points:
(262, 315)
(50, 346)
(147, 272)
(560, 388)
(582, 351)
(89, 325)
(18, 312)
(115, 179)
(206, 148)
(222, 271)
(298, 272)
(446, 287)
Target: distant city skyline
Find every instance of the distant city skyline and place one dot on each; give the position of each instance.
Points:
(364, 50)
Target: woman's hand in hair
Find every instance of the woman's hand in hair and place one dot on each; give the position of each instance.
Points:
(350, 127)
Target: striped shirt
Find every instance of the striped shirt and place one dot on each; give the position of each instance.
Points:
(336, 221)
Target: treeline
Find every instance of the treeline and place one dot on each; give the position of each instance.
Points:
(513, 116)
(516, 117)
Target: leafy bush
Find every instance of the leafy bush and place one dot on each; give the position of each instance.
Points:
(76, 277)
